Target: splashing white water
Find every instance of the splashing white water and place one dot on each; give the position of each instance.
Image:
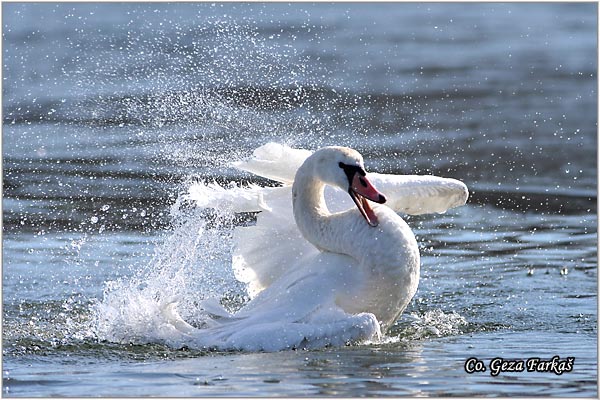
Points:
(191, 265)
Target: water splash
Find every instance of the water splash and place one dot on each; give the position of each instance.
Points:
(427, 324)
(190, 265)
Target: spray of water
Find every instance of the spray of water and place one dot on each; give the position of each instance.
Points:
(190, 265)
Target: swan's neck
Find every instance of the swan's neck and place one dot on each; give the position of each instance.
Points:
(312, 215)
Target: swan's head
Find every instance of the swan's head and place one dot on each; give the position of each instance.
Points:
(344, 167)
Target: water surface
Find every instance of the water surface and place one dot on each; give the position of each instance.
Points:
(110, 111)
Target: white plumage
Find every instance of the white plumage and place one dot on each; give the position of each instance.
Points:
(317, 272)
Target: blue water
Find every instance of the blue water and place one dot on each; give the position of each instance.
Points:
(111, 111)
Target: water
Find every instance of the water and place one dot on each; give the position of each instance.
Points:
(112, 111)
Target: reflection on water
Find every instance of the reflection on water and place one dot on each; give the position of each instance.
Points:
(111, 110)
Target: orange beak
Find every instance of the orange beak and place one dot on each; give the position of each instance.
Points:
(361, 191)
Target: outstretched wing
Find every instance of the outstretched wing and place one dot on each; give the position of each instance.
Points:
(263, 252)
(266, 251)
(275, 161)
(420, 194)
(410, 194)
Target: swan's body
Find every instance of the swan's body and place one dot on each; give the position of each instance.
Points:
(319, 270)
(383, 261)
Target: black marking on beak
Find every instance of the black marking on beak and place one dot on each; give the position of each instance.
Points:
(351, 170)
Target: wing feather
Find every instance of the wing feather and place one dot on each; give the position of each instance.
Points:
(275, 161)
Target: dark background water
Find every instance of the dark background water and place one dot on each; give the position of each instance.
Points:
(110, 109)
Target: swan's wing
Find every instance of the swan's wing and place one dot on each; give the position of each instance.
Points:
(410, 194)
(237, 199)
(266, 251)
(420, 194)
(275, 161)
(299, 310)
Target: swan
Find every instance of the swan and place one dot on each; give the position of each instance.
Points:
(383, 250)
(329, 261)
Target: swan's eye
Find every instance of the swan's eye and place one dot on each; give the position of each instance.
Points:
(342, 165)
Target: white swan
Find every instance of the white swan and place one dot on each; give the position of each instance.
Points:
(318, 277)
